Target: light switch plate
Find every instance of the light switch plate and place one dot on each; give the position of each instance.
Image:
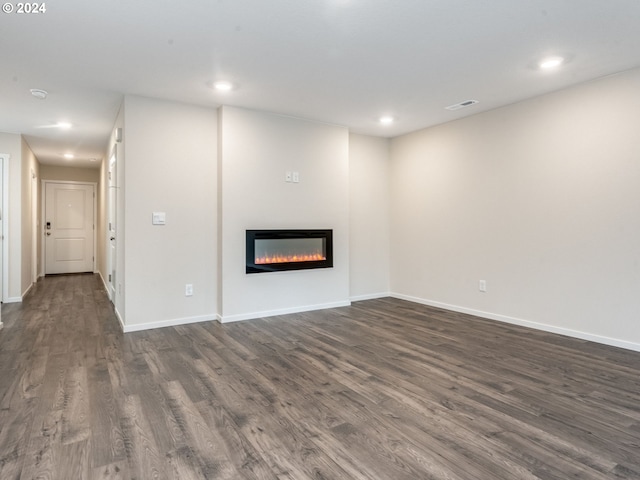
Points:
(159, 218)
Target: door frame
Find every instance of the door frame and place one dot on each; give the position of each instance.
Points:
(112, 218)
(4, 160)
(44, 213)
(34, 227)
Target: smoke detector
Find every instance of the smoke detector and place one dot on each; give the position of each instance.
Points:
(38, 93)
(458, 106)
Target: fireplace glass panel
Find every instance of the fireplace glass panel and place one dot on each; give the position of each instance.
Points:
(289, 250)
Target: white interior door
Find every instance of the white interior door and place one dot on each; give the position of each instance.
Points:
(68, 228)
(111, 230)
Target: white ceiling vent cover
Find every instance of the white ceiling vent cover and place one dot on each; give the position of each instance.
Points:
(458, 106)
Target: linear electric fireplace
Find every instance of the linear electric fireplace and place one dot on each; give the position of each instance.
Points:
(279, 250)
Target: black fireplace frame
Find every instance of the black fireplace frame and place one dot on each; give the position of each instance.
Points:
(253, 235)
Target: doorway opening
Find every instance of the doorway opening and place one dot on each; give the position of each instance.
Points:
(69, 210)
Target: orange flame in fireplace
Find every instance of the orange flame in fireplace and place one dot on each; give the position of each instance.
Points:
(280, 258)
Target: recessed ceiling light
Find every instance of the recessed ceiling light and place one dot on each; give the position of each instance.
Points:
(68, 156)
(551, 62)
(223, 86)
(386, 120)
(38, 93)
(64, 125)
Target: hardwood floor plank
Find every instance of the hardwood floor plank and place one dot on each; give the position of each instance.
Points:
(113, 471)
(145, 460)
(74, 460)
(13, 437)
(107, 441)
(42, 458)
(209, 456)
(75, 407)
(33, 377)
(162, 425)
(43, 445)
(248, 462)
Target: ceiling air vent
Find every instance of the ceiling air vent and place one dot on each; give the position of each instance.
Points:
(460, 105)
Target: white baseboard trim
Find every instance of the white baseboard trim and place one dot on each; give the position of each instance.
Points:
(104, 284)
(119, 317)
(12, 300)
(370, 296)
(614, 342)
(282, 311)
(26, 292)
(165, 323)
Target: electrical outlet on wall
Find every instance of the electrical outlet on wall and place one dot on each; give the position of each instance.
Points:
(482, 285)
(188, 290)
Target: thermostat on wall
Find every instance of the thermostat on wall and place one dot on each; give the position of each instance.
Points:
(159, 218)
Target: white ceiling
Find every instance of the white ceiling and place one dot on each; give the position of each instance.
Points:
(343, 62)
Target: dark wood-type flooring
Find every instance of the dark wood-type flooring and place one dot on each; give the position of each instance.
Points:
(384, 389)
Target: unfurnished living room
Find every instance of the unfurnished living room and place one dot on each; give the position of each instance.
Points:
(336, 239)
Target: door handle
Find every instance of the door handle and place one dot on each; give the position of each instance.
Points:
(112, 238)
(48, 233)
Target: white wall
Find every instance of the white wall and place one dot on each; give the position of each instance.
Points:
(541, 199)
(169, 166)
(368, 216)
(70, 174)
(257, 149)
(12, 144)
